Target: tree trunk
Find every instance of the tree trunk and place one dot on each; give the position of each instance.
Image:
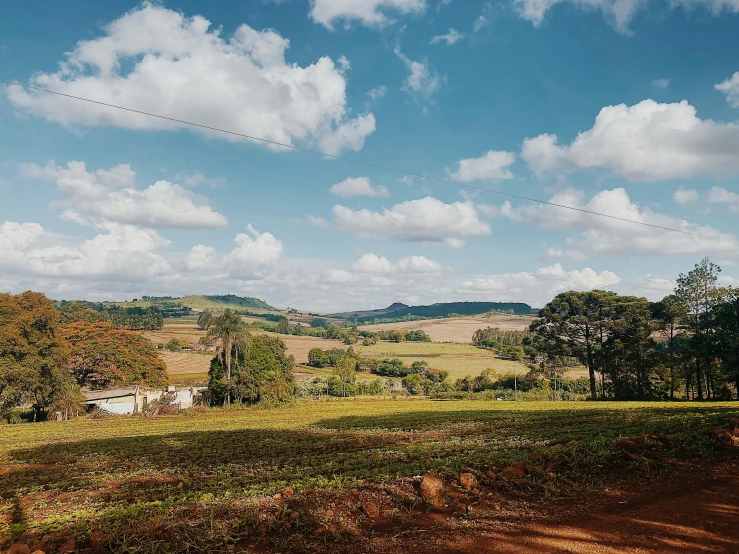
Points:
(591, 369)
(698, 378)
(672, 362)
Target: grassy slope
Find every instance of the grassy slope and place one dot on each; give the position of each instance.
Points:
(459, 360)
(178, 479)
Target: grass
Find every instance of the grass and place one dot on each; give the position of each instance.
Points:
(459, 360)
(177, 483)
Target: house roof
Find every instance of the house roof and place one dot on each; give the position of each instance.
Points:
(109, 393)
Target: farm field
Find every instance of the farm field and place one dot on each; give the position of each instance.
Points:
(459, 360)
(457, 329)
(187, 366)
(218, 479)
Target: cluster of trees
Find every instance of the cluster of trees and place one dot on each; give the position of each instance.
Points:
(247, 369)
(535, 384)
(46, 356)
(615, 337)
(514, 345)
(133, 319)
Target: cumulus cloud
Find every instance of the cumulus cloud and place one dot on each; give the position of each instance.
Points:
(118, 253)
(254, 254)
(359, 186)
(618, 12)
(491, 166)
(601, 235)
(449, 38)
(649, 141)
(422, 80)
(540, 285)
(423, 220)
(719, 195)
(730, 87)
(110, 196)
(370, 13)
(372, 263)
(685, 196)
(159, 61)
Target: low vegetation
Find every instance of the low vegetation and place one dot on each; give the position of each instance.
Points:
(179, 483)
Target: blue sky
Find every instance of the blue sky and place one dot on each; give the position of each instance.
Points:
(625, 108)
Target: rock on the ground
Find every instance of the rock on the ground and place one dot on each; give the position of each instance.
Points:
(18, 548)
(468, 481)
(627, 444)
(515, 470)
(432, 490)
(371, 509)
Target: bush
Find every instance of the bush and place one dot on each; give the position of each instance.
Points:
(417, 336)
(413, 383)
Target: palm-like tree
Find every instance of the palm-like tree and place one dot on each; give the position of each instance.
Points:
(233, 335)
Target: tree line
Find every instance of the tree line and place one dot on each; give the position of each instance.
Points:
(684, 346)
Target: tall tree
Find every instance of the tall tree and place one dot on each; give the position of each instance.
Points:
(233, 335)
(670, 312)
(32, 355)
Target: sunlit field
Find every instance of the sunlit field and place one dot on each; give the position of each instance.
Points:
(175, 482)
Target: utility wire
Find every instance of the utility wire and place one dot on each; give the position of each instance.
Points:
(351, 160)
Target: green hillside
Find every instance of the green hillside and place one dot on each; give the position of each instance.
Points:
(445, 309)
(196, 302)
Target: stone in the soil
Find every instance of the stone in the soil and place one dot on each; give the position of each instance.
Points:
(627, 444)
(18, 548)
(515, 470)
(371, 509)
(432, 490)
(468, 481)
(68, 547)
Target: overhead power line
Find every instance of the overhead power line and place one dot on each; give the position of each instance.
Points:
(351, 160)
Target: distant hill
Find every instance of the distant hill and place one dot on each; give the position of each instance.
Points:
(215, 302)
(400, 311)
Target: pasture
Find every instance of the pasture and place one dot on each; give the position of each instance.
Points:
(219, 479)
(457, 329)
(459, 360)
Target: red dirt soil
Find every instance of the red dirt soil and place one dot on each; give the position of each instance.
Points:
(694, 512)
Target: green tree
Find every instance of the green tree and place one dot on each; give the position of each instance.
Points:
(413, 383)
(230, 331)
(33, 357)
(205, 319)
(346, 370)
(283, 326)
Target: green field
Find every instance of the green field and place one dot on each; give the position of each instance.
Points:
(179, 483)
(459, 360)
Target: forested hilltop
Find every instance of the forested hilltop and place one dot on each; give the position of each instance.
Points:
(401, 312)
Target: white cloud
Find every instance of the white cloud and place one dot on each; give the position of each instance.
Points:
(118, 253)
(648, 141)
(602, 235)
(111, 196)
(618, 12)
(539, 286)
(370, 13)
(422, 80)
(197, 179)
(159, 61)
(423, 220)
(661, 83)
(201, 258)
(450, 38)
(339, 276)
(719, 195)
(730, 87)
(482, 20)
(254, 254)
(685, 196)
(377, 92)
(372, 263)
(491, 166)
(359, 186)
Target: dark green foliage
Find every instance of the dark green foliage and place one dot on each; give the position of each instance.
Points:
(417, 336)
(448, 309)
(240, 301)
